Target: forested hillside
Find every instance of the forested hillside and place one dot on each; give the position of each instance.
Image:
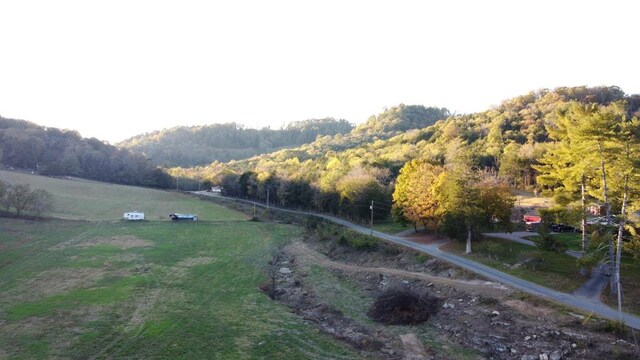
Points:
(187, 146)
(343, 173)
(51, 151)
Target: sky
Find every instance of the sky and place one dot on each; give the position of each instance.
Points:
(115, 69)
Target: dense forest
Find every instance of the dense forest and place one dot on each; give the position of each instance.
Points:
(344, 172)
(51, 151)
(187, 146)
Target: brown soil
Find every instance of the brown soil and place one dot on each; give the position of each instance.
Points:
(413, 348)
(58, 281)
(121, 242)
(494, 321)
(306, 255)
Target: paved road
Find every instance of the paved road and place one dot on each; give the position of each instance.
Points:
(516, 236)
(593, 287)
(485, 271)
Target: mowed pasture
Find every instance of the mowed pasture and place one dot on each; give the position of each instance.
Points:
(151, 289)
(78, 199)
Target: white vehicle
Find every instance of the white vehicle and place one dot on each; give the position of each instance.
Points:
(602, 220)
(134, 215)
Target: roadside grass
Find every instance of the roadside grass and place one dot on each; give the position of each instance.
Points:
(630, 279)
(390, 226)
(154, 289)
(572, 240)
(556, 271)
(80, 199)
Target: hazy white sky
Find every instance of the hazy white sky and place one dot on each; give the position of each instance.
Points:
(114, 69)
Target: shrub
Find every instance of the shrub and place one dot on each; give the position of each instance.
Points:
(530, 259)
(548, 242)
(490, 249)
(617, 327)
(363, 242)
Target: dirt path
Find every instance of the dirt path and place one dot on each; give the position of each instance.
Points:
(308, 256)
(413, 348)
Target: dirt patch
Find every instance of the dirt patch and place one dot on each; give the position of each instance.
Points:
(121, 242)
(413, 348)
(143, 308)
(305, 254)
(425, 238)
(14, 244)
(71, 320)
(528, 308)
(175, 274)
(493, 321)
(55, 281)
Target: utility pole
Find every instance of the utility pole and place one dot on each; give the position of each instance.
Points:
(371, 223)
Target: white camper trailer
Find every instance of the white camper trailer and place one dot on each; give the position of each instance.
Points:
(134, 215)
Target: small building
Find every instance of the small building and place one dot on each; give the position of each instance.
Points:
(597, 209)
(187, 217)
(134, 215)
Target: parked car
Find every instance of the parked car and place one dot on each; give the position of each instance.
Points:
(562, 228)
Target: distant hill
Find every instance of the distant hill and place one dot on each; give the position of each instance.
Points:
(402, 133)
(51, 151)
(187, 146)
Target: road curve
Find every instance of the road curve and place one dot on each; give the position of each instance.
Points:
(480, 269)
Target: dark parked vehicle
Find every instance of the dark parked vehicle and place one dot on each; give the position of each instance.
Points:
(562, 228)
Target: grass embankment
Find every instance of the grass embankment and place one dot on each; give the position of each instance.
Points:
(554, 270)
(630, 279)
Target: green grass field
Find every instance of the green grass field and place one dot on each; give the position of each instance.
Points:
(572, 240)
(152, 289)
(89, 200)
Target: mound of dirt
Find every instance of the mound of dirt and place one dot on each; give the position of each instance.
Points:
(403, 307)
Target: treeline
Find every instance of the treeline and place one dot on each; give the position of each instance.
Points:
(187, 146)
(507, 140)
(319, 175)
(51, 151)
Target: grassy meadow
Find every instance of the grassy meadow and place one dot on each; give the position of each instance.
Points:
(150, 289)
(78, 199)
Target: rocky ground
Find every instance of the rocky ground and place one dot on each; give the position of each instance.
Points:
(494, 321)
